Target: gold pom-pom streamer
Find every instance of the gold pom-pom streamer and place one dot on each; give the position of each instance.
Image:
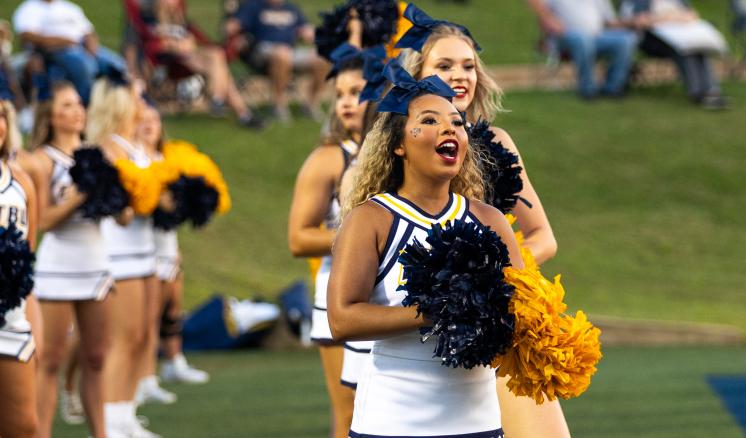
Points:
(142, 185)
(553, 354)
(183, 158)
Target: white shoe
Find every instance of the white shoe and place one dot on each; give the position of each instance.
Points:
(149, 391)
(137, 431)
(178, 370)
(71, 408)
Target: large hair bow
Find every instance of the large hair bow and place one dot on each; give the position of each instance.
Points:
(422, 27)
(347, 52)
(407, 88)
(116, 75)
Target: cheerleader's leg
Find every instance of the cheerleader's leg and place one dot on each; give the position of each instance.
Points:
(94, 332)
(341, 397)
(523, 418)
(18, 401)
(57, 317)
(149, 356)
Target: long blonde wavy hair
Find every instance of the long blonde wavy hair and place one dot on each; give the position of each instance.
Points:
(12, 140)
(112, 108)
(381, 170)
(487, 101)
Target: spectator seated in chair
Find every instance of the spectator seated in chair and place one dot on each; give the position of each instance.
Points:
(587, 30)
(266, 32)
(672, 29)
(61, 33)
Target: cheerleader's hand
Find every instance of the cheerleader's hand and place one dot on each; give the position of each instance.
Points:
(125, 217)
(166, 202)
(74, 196)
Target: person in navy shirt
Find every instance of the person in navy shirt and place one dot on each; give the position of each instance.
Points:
(269, 32)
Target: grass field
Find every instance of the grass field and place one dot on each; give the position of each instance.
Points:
(281, 394)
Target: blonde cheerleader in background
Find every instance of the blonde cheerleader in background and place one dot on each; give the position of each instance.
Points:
(314, 216)
(18, 418)
(448, 51)
(72, 277)
(175, 367)
(115, 108)
(416, 170)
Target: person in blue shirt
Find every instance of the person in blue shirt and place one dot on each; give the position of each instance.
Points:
(269, 32)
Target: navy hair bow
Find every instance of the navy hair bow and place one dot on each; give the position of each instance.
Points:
(407, 88)
(5, 93)
(346, 52)
(115, 75)
(422, 27)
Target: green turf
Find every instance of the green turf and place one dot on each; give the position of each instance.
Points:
(637, 392)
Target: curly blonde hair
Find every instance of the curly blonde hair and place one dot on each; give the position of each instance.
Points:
(381, 170)
(487, 101)
(12, 141)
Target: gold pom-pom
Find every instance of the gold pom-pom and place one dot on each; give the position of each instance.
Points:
(142, 184)
(185, 159)
(553, 354)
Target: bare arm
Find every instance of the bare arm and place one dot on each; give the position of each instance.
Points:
(50, 214)
(549, 22)
(493, 218)
(354, 266)
(313, 191)
(532, 222)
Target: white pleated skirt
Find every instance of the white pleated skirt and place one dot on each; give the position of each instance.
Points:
(130, 249)
(404, 392)
(167, 260)
(16, 341)
(320, 331)
(356, 354)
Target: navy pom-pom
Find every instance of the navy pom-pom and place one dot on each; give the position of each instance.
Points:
(195, 201)
(99, 180)
(379, 19)
(458, 284)
(502, 173)
(16, 270)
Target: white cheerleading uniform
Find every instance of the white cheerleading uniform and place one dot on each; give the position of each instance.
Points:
(167, 260)
(15, 335)
(131, 249)
(71, 262)
(320, 331)
(404, 391)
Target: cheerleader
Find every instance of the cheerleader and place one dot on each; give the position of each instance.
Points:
(314, 215)
(18, 416)
(129, 242)
(416, 170)
(72, 277)
(175, 368)
(448, 51)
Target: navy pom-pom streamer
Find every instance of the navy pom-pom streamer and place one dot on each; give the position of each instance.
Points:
(502, 173)
(195, 202)
(379, 19)
(99, 180)
(458, 284)
(16, 270)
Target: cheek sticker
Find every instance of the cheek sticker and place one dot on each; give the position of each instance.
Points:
(415, 132)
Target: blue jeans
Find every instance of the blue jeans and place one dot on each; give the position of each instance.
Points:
(80, 67)
(617, 45)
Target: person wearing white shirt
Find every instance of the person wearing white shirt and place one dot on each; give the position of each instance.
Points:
(60, 31)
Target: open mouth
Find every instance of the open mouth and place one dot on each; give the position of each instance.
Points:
(460, 91)
(448, 150)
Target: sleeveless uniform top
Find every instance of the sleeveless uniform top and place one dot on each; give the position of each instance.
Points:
(320, 331)
(15, 334)
(403, 389)
(71, 262)
(131, 249)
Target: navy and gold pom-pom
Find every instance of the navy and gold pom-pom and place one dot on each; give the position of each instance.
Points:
(458, 284)
(501, 171)
(194, 201)
(379, 19)
(99, 180)
(16, 270)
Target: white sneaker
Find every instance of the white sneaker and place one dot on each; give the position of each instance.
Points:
(71, 408)
(178, 370)
(137, 431)
(149, 391)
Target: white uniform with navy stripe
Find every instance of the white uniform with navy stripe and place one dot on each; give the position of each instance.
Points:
(71, 262)
(320, 331)
(167, 260)
(131, 249)
(15, 335)
(404, 391)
